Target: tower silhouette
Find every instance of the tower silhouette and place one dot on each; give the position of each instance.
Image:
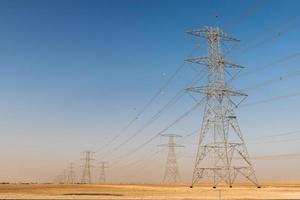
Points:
(86, 175)
(222, 154)
(71, 174)
(102, 176)
(171, 171)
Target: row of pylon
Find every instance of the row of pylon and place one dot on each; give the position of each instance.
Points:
(69, 176)
(222, 154)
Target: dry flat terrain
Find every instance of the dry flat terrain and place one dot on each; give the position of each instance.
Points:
(289, 190)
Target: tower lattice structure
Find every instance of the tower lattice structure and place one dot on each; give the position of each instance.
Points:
(102, 175)
(171, 174)
(87, 175)
(71, 174)
(222, 154)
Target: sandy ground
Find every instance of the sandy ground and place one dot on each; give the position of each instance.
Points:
(289, 190)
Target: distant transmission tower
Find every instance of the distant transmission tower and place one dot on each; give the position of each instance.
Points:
(59, 179)
(64, 176)
(71, 174)
(171, 172)
(222, 153)
(86, 175)
(102, 176)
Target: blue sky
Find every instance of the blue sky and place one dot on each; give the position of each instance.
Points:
(74, 73)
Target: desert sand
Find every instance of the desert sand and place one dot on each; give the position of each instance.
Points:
(287, 190)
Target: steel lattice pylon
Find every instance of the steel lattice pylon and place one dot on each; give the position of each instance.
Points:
(102, 176)
(171, 172)
(222, 153)
(86, 175)
(71, 174)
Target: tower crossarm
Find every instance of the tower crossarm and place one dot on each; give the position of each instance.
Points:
(213, 91)
(197, 60)
(204, 61)
(170, 135)
(231, 65)
(171, 171)
(212, 33)
(170, 145)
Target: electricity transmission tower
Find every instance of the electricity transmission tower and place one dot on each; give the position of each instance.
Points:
(86, 175)
(102, 176)
(64, 176)
(59, 179)
(71, 174)
(222, 153)
(171, 172)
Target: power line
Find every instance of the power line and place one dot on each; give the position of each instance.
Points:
(289, 156)
(254, 103)
(171, 102)
(126, 142)
(278, 157)
(189, 135)
(152, 99)
(144, 108)
(236, 20)
(171, 172)
(252, 140)
(160, 150)
(292, 74)
(270, 39)
(265, 157)
(271, 64)
(276, 141)
(283, 22)
(274, 80)
(162, 131)
(194, 132)
(245, 14)
(251, 88)
(275, 98)
(276, 135)
(154, 118)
